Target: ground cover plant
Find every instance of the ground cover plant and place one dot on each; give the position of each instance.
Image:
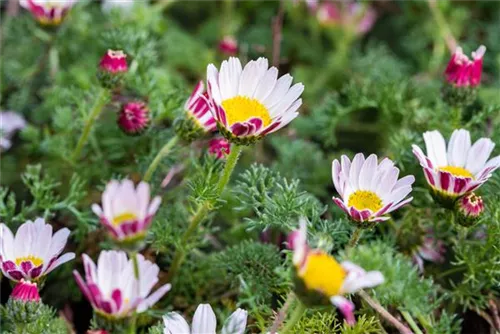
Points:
(249, 166)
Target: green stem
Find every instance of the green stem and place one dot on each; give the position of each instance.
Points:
(159, 157)
(300, 308)
(355, 237)
(443, 26)
(456, 117)
(411, 322)
(282, 313)
(94, 113)
(203, 210)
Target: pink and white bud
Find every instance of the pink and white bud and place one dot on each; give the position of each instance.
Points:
(431, 249)
(25, 291)
(134, 117)
(114, 61)
(329, 14)
(463, 72)
(219, 147)
(352, 16)
(469, 209)
(49, 13)
(228, 46)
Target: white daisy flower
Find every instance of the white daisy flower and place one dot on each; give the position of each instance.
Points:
(127, 211)
(368, 190)
(198, 108)
(461, 169)
(205, 322)
(112, 288)
(321, 273)
(10, 123)
(48, 12)
(33, 252)
(251, 102)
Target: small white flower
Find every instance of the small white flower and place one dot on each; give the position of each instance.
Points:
(459, 170)
(369, 190)
(10, 122)
(126, 211)
(112, 288)
(205, 322)
(33, 252)
(251, 101)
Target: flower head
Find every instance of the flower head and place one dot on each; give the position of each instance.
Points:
(219, 147)
(10, 122)
(354, 16)
(112, 68)
(47, 12)
(463, 72)
(33, 252)
(127, 211)
(369, 190)
(204, 322)
(469, 209)
(198, 120)
(134, 117)
(459, 170)
(112, 288)
(252, 102)
(318, 273)
(25, 291)
(228, 46)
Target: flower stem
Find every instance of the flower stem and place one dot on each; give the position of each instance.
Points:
(159, 157)
(444, 29)
(203, 210)
(300, 308)
(282, 313)
(94, 113)
(384, 313)
(456, 117)
(355, 237)
(411, 322)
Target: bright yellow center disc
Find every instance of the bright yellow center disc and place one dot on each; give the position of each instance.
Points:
(242, 108)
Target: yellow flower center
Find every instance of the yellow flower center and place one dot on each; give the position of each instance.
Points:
(323, 274)
(33, 259)
(365, 199)
(124, 217)
(457, 171)
(242, 108)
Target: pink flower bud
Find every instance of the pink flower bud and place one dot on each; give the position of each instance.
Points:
(134, 117)
(228, 46)
(25, 291)
(463, 72)
(469, 209)
(219, 147)
(114, 62)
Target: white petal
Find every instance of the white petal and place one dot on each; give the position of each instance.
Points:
(175, 324)
(58, 242)
(367, 172)
(142, 196)
(204, 321)
(436, 148)
(6, 243)
(357, 163)
(479, 154)
(291, 96)
(280, 89)
(458, 148)
(153, 298)
(368, 280)
(61, 260)
(251, 76)
(236, 323)
(266, 84)
(213, 80)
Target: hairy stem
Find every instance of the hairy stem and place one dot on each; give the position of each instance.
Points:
(355, 237)
(96, 110)
(384, 313)
(202, 211)
(300, 308)
(159, 157)
(282, 313)
(411, 322)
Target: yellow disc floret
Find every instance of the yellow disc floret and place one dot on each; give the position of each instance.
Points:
(242, 108)
(457, 171)
(30, 258)
(365, 199)
(124, 217)
(322, 273)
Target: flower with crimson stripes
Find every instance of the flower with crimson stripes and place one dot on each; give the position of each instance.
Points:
(33, 252)
(47, 12)
(458, 170)
(319, 278)
(197, 120)
(127, 211)
(469, 208)
(251, 102)
(112, 288)
(134, 117)
(369, 190)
